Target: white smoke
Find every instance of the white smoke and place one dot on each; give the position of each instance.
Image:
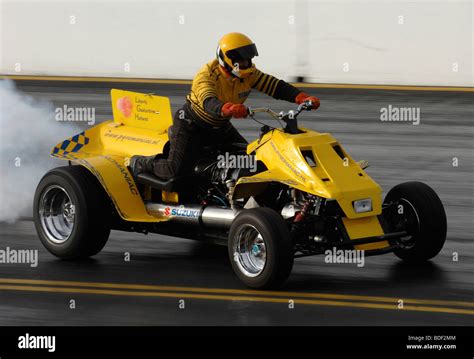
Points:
(28, 132)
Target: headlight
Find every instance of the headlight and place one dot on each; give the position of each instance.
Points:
(362, 205)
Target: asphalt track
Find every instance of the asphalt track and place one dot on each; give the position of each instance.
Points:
(165, 271)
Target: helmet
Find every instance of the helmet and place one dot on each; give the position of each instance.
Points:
(233, 49)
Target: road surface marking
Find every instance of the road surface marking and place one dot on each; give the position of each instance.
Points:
(234, 294)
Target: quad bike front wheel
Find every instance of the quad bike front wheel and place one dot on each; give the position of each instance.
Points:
(72, 213)
(260, 248)
(415, 207)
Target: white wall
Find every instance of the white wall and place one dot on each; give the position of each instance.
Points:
(295, 38)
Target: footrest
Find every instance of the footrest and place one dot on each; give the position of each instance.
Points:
(153, 181)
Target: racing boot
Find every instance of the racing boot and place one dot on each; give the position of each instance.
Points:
(363, 164)
(141, 164)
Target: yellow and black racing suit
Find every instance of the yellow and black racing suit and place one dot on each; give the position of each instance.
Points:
(199, 122)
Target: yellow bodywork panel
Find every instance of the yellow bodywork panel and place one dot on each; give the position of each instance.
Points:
(365, 227)
(335, 176)
(120, 186)
(139, 128)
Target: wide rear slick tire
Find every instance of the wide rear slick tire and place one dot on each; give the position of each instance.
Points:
(260, 249)
(417, 208)
(72, 213)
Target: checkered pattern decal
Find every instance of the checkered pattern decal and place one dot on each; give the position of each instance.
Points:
(70, 145)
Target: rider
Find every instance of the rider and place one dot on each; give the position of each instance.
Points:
(217, 94)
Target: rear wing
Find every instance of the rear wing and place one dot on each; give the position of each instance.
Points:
(141, 110)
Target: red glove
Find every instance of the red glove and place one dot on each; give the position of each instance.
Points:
(234, 110)
(302, 97)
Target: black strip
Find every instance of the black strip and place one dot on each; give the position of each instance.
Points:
(267, 77)
(341, 341)
(258, 80)
(269, 84)
(285, 91)
(272, 87)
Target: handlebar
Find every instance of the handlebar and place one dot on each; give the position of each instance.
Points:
(289, 117)
(307, 105)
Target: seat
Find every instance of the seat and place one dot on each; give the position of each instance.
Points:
(155, 182)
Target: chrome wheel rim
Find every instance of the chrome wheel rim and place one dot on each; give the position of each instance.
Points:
(57, 214)
(250, 252)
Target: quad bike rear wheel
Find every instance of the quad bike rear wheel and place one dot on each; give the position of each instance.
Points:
(260, 248)
(72, 213)
(416, 208)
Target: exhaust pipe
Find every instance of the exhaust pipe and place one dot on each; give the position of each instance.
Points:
(207, 216)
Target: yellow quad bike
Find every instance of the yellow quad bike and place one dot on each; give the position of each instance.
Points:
(304, 196)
